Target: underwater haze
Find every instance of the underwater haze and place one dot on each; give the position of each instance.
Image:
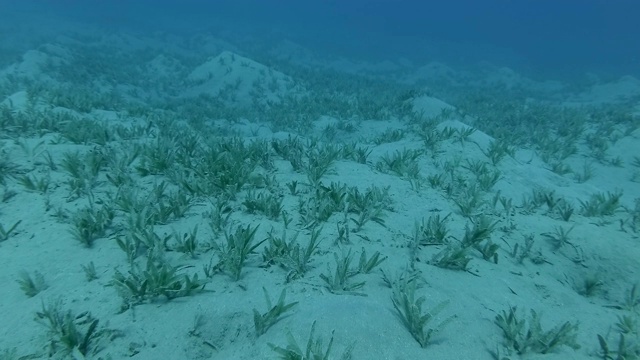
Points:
(543, 37)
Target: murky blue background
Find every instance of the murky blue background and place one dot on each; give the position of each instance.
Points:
(551, 38)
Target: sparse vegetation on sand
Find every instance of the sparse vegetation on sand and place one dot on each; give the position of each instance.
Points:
(158, 183)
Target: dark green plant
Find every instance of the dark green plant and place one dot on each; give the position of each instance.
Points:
(526, 252)
(335, 195)
(31, 152)
(86, 131)
(416, 319)
(487, 180)
(565, 210)
(560, 168)
(560, 237)
(477, 167)
(119, 165)
(290, 149)
(548, 198)
(481, 230)
(90, 272)
(430, 136)
(140, 238)
(324, 202)
(6, 234)
(631, 300)
(497, 150)
(462, 134)
(454, 257)
(367, 215)
(320, 163)
(171, 206)
(158, 279)
(404, 164)
(343, 228)
(402, 279)
(80, 187)
(267, 204)
(625, 350)
(389, 136)
(365, 266)
(234, 251)
(83, 171)
(186, 243)
(128, 201)
(32, 183)
(505, 202)
(73, 164)
(69, 333)
(368, 206)
(91, 223)
(277, 247)
(627, 328)
(315, 349)
(436, 181)
(339, 281)
(598, 146)
(470, 202)
(7, 194)
(432, 232)
(616, 161)
(8, 169)
(290, 254)
(586, 174)
(633, 219)
(156, 158)
(219, 216)
(32, 286)
(223, 168)
(293, 187)
(489, 251)
(601, 204)
(263, 322)
(628, 324)
(590, 286)
(524, 336)
(448, 132)
(530, 204)
(330, 132)
(362, 154)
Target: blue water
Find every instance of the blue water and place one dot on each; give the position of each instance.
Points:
(550, 38)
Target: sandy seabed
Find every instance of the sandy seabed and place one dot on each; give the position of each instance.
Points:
(483, 192)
